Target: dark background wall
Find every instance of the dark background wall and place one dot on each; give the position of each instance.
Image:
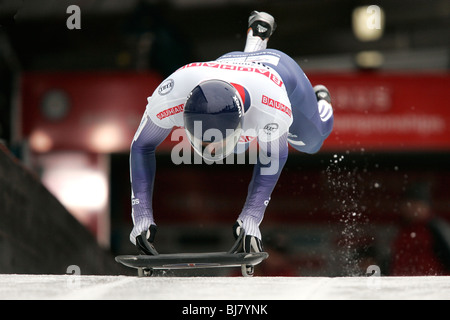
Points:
(37, 234)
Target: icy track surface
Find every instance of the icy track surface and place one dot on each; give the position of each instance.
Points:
(72, 287)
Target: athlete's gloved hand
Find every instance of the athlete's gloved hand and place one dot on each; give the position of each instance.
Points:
(251, 241)
(144, 241)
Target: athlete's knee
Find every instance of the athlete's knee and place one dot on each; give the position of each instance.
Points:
(315, 148)
(309, 148)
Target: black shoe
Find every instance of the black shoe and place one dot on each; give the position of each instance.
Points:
(262, 24)
(322, 93)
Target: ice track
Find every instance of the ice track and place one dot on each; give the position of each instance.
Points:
(71, 287)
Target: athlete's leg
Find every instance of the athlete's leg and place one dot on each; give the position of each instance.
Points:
(261, 25)
(307, 133)
(311, 107)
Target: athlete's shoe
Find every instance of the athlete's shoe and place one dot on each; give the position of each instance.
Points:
(144, 241)
(322, 93)
(323, 102)
(262, 24)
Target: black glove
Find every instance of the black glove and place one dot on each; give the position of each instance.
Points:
(144, 241)
(247, 243)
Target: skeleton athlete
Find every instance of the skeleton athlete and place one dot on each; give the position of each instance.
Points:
(223, 105)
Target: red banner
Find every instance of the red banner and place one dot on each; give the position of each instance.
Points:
(95, 111)
(100, 112)
(388, 112)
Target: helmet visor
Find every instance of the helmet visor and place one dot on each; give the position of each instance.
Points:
(213, 119)
(214, 146)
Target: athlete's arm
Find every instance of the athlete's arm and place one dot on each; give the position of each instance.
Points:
(271, 160)
(142, 173)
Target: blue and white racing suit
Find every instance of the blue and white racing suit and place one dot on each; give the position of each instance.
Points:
(281, 109)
